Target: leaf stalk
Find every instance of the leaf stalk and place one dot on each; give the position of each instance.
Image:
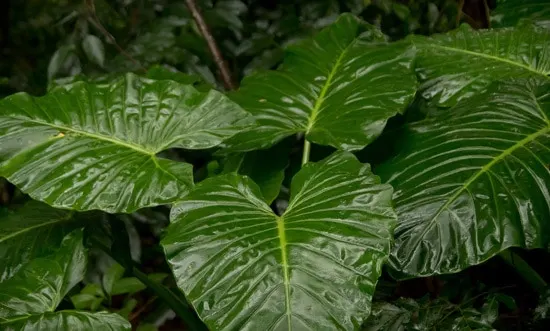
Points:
(307, 149)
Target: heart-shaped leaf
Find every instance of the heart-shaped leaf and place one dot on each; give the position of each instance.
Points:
(458, 64)
(34, 230)
(84, 146)
(474, 181)
(313, 268)
(30, 297)
(338, 88)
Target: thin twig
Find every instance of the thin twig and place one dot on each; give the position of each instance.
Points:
(207, 35)
(141, 309)
(95, 21)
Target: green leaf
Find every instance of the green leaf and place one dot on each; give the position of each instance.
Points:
(86, 301)
(93, 146)
(127, 285)
(29, 299)
(314, 268)
(113, 274)
(338, 88)
(64, 61)
(510, 12)
(33, 230)
(161, 73)
(94, 49)
(265, 167)
(474, 181)
(458, 64)
(70, 320)
(407, 314)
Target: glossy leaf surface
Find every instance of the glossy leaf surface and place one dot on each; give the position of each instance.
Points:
(459, 64)
(93, 146)
(33, 230)
(510, 12)
(313, 268)
(472, 182)
(30, 297)
(338, 88)
(406, 314)
(70, 320)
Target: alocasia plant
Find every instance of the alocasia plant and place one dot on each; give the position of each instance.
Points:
(470, 180)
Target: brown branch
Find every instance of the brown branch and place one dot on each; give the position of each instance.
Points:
(95, 21)
(207, 35)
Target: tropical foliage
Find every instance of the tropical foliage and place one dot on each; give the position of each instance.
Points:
(354, 162)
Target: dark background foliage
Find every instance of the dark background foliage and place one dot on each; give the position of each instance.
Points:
(48, 42)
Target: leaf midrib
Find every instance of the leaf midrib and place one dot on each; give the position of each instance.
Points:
(28, 229)
(324, 90)
(284, 263)
(483, 170)
(87, 134)
(491, 57)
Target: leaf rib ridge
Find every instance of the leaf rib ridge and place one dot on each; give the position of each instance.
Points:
(491, 57)
(87, 134)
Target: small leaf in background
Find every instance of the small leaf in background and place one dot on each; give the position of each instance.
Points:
(94, 146)
(128, 285)
(265, 167)
(315, 267)
(94, 49)
(162, 72)
(89, 298)
(65, 62)
(113, 274)
(86, 301)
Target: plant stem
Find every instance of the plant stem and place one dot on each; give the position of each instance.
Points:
(175, 302)
(530, 275)
(307, 149)
(212, 46)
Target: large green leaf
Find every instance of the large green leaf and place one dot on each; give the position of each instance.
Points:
(474, 181)
(458, 64)
(313, 268)
(338, 88)
(33, 230)
(510, 12)
(30, 297)
(84, 146)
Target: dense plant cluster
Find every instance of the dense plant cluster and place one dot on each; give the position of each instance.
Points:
(379, 167)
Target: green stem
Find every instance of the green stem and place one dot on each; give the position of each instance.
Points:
(530, 275)
(307, 149)
(175, 302)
